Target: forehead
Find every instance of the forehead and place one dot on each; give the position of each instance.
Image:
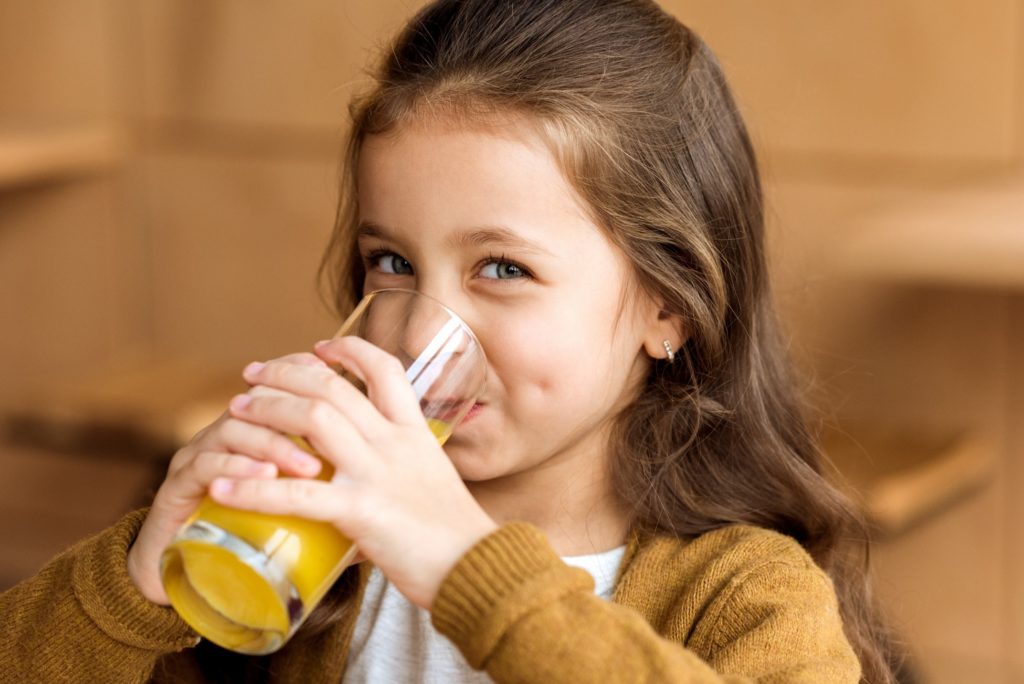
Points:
(444, 174)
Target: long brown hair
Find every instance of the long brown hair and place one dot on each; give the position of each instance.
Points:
(637, 110)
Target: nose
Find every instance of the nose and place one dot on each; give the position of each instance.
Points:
(428, 329)
(440, 300)
(432, 343)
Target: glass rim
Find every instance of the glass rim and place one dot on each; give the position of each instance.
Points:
(451, 312)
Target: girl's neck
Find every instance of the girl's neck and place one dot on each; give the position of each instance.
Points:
(575, 508)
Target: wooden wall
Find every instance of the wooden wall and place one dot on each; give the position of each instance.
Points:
(196, 187)
(861, 112)
(197, 229)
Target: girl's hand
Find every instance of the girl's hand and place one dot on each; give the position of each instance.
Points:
(227, 448)
(396, 493)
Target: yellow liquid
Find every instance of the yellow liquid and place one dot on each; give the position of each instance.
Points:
(239, 605)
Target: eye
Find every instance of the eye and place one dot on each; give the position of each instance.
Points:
(499, 269)
(389, 262)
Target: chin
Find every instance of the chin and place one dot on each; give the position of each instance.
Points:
(475, 470)
(472, 464)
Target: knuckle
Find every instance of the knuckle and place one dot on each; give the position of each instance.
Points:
(207, 460)
(310, 359)
(231, 436)
(181, 459)
(347, 342)
(196, 461)
(298, 491)
(335, 385)
(229, 429)
(302, 358)
(230, 462)
(270, 443)
(393, 366)
(320, 414)
(274, 371)
(236, 463)
(261, 400)
(192, 470)
(260, 391)
(203, 432)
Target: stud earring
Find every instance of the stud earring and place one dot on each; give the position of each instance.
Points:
(669, 351)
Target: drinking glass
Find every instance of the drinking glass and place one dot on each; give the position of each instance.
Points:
(247, 580)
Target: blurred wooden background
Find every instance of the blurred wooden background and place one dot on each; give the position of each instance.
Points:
(168, 174)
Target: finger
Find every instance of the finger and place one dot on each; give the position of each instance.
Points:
(320, 382)
(209, 438)
(211, 465)
(301, 359)
(257, 441)
(192, 481)
(384, 376)
(205, 439)
(182, 457)
(329, 432)
(263, 390)
(340, 503)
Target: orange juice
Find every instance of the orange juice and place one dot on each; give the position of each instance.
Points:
(247, 580)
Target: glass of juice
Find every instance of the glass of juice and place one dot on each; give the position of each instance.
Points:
(247, 580)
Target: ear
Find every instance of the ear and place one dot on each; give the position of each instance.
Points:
(664, 327)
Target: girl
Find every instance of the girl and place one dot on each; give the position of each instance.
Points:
(572, 177)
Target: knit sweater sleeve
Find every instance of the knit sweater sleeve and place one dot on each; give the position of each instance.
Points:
(81, 618)
(514, 608)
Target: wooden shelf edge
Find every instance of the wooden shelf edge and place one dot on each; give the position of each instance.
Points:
(898, 501)
(965, 236)
(33, 155)
(902, 476)
(142, 404)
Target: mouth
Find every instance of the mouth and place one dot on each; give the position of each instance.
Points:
(477, 408)
(448, 410)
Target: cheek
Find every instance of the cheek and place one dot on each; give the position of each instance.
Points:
(527, 358)
(557, 356)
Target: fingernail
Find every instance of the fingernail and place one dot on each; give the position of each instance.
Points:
(304, 461)
(261, 469)
(240, 402)
(321, 343)
(222, 486)
(253, 368)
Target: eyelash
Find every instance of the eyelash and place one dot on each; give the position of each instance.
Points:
(372, 259)
(502, 259)
(374, 256)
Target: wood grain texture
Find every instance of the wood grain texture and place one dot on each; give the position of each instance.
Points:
(911, 80)
(49, 500)
(236, 245)
(275, 64)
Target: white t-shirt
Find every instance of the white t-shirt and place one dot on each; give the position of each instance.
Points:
(395, 642)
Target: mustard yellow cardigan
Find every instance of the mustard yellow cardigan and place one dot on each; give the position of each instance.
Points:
(739, 604)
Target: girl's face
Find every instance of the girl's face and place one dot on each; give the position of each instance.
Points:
(483, 219)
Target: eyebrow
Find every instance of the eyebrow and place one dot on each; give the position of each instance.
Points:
(481, 236)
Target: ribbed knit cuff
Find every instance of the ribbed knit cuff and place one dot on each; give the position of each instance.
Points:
(505, 576)
(108, 596)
